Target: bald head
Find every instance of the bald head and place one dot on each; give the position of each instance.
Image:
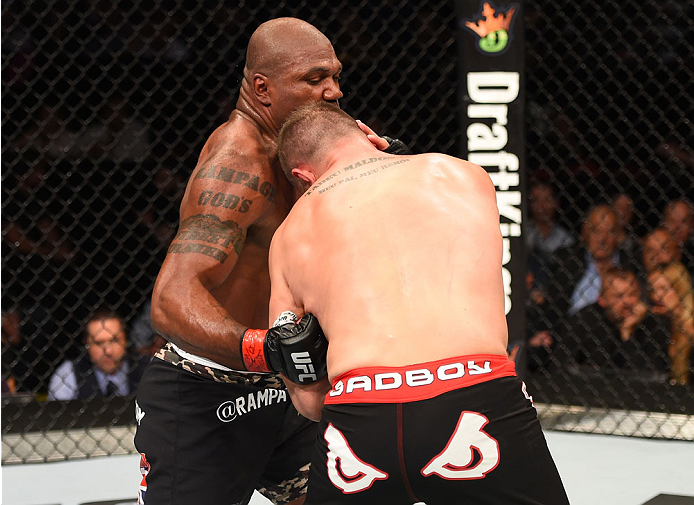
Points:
(274, 44)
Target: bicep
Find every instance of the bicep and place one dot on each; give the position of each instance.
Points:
(206, 246)
(215, 217)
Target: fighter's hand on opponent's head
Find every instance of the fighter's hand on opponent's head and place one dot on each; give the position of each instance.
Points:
(384, 143)
(297, 350)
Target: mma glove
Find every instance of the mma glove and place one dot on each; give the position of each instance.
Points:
(296, 350)
(396, 146)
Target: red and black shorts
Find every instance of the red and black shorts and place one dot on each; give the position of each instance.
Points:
(459, 430)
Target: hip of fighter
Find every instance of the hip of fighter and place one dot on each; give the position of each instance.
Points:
(419, 381)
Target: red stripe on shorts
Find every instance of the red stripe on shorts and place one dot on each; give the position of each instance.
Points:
(417, 382)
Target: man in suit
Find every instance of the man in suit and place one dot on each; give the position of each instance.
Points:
(106, 368)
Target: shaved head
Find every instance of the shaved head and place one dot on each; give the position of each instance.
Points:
(309, 131)
(275, 42)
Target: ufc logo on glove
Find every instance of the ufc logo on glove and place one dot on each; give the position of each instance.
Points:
(302, 362)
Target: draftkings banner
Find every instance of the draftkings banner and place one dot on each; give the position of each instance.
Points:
(492, 102)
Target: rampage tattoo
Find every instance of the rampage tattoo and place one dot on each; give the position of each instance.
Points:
(226, 200)
(237, 177)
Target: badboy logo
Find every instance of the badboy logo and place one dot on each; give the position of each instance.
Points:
(493, 28)
(230, 410)
(411, 378)
(139, 413)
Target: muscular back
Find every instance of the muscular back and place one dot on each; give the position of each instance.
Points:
(400, 260)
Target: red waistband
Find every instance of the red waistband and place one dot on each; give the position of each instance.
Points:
(417, 382)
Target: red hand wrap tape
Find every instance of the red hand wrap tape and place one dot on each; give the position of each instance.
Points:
(253, 351)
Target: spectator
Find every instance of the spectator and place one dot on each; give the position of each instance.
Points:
(9, 382)
(678, 220)
(31, 346)
(659, 248)
(576, 280)
(544, 235)
(671, 293)
(532, 353)
(11, 338)
(145, 340)
(106, 369)
(618, 330)
(623, 207)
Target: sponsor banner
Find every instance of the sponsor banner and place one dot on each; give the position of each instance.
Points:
(492, 102)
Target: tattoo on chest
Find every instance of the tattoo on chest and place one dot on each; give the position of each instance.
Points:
(232, 176)
(211, 230)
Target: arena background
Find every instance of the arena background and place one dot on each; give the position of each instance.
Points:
(106, 106)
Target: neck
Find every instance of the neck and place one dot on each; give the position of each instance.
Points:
(603, 265)
(349, 151)
(256, 112)
(544, 227)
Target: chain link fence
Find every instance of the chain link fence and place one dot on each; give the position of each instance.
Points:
(610, 182)
(106, 106)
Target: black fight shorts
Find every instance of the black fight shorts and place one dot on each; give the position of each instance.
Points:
(212, 437)
(455, 431)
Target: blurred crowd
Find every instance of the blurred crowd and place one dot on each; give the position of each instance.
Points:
(609, 299)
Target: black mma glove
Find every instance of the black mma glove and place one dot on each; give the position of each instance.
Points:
(396, 146)
(296, 350)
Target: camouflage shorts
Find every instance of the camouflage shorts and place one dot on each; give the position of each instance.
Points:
(262, 380)
(287, 490)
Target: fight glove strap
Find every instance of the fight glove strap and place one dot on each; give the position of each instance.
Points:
(396, 146)
(253, 350)
(296, 350)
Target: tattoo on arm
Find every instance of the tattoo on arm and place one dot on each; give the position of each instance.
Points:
(226, 200)
(238, 177)
(212, 230)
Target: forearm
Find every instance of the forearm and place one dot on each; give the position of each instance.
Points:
(308, 400)
(189, 316)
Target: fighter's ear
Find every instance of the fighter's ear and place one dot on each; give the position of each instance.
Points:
(304, 173)
(260, 88)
